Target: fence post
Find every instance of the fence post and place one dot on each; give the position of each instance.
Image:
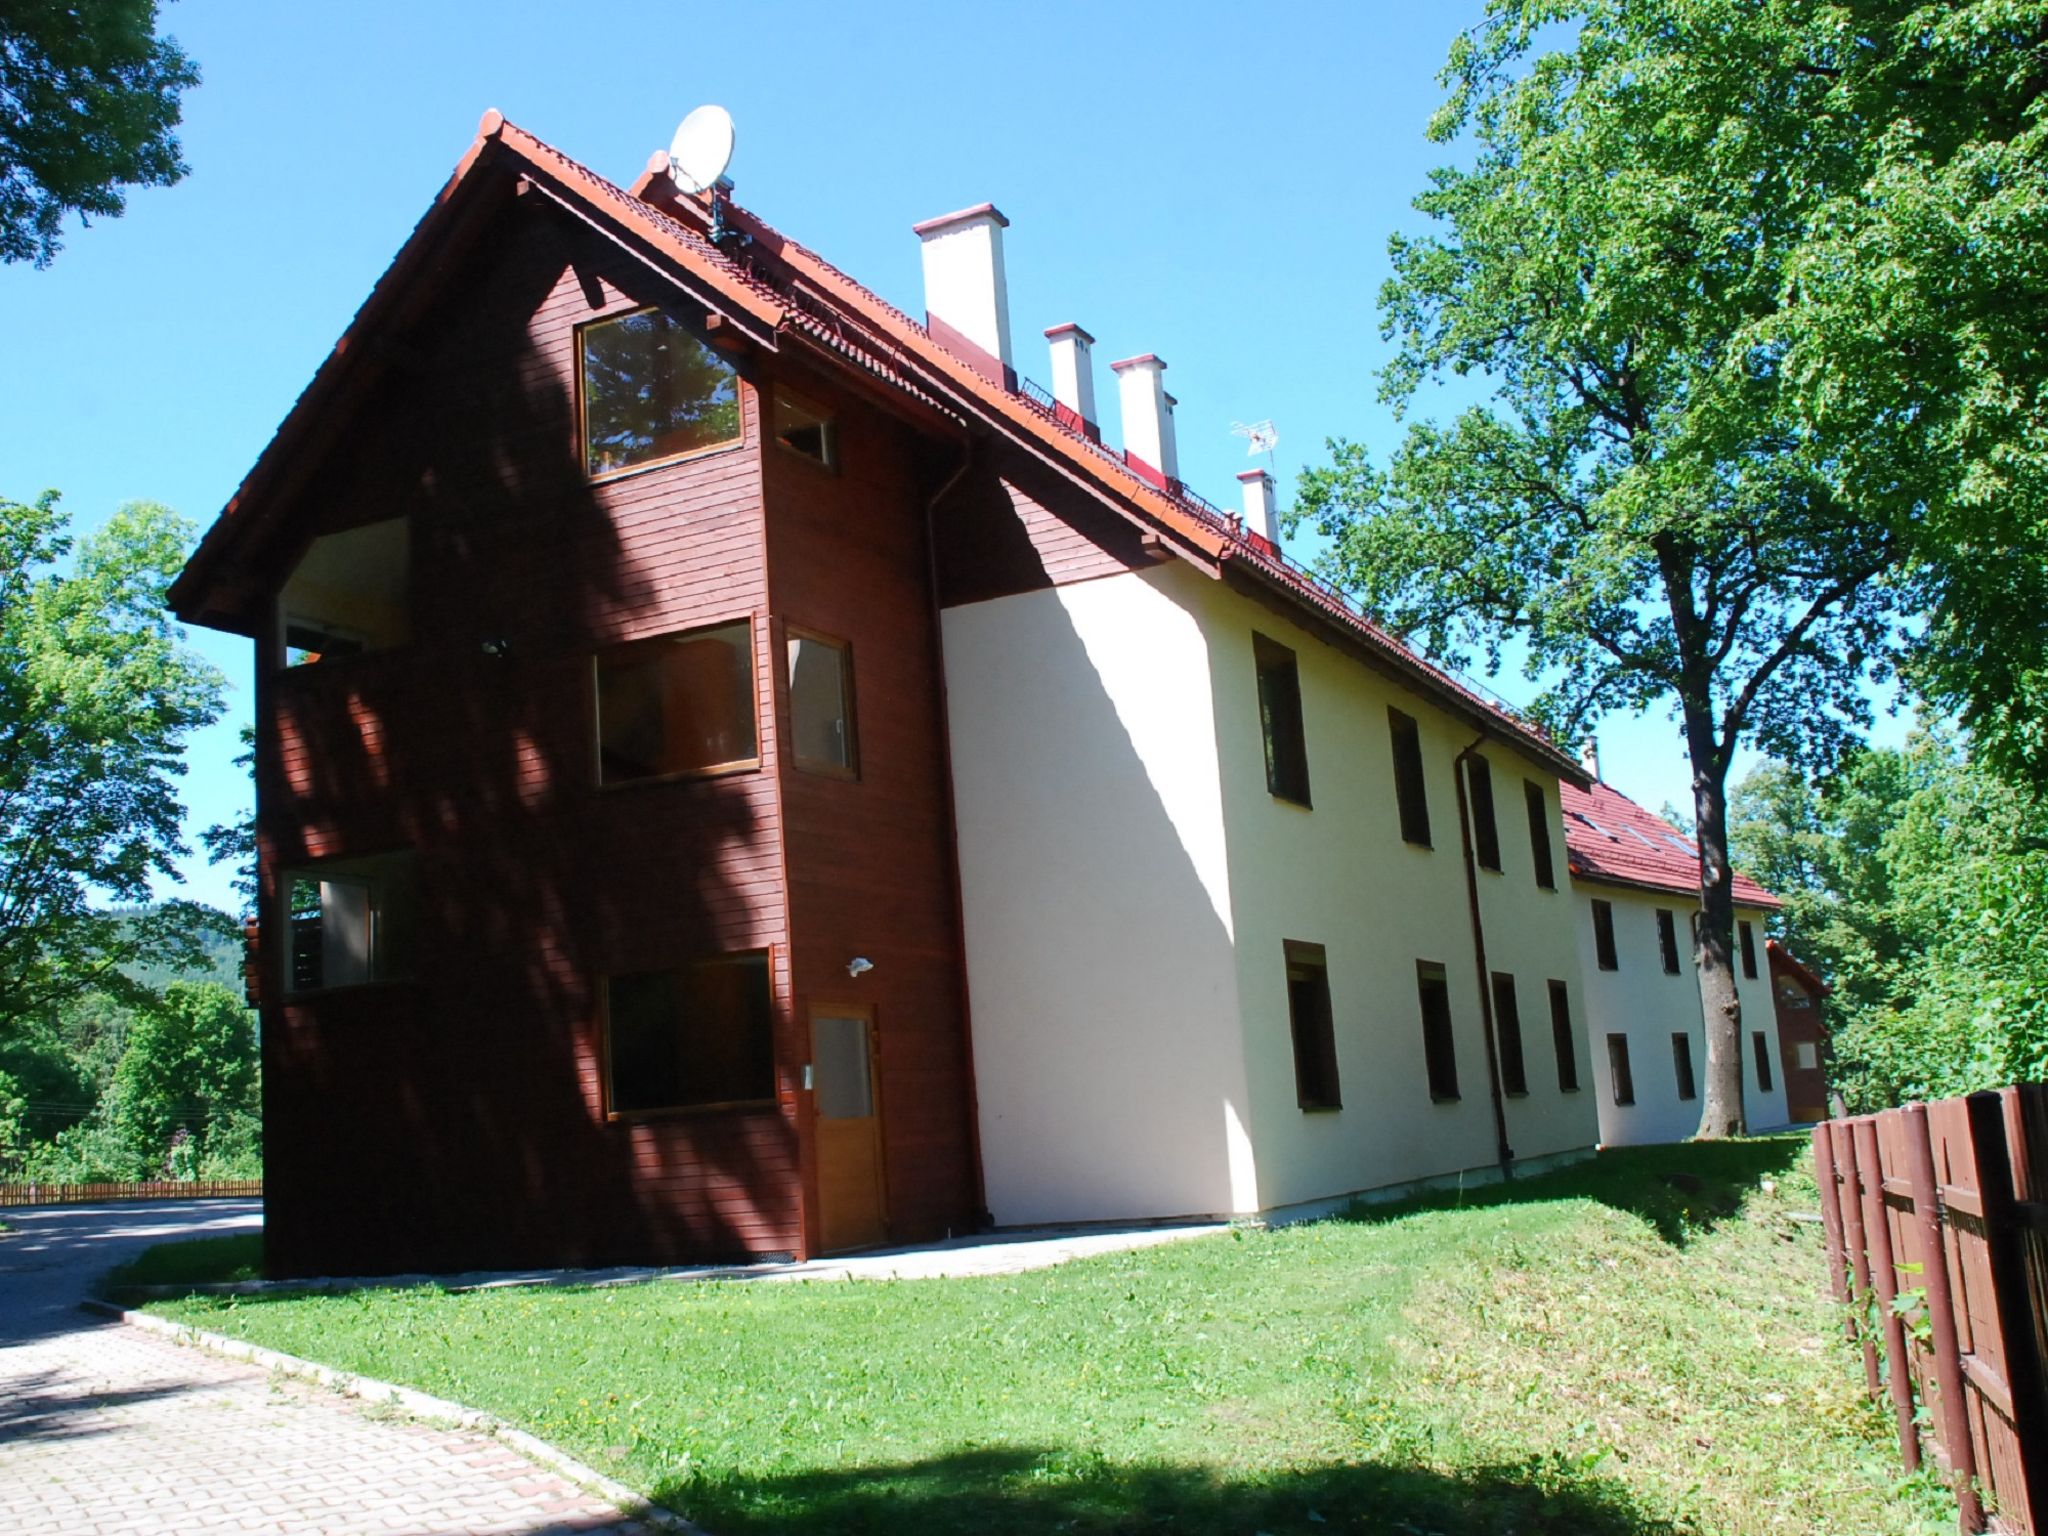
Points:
(1859, 1261)
(1954, 1421)
(2003, 1234)
(1831, 1221)
(1885, 1275)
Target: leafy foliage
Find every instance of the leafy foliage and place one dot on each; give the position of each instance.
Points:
(97, 697)
(89, 95)
(1916, 882)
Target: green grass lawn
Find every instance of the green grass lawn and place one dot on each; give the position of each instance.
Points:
(1600, 1351)
(195, 1261)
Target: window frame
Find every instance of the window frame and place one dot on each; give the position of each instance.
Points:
(1667, 940)
(1269, 655)
(617, 1116)
(1426, 972)
(1540, 855)
(1745, 939)
(278, 658)
(1320, 1058)
(1563, 1038)
(828, 421)
(1766, 1081)
(1621, 1076)
(1606, 956)
(1682, 1066)
(582, 402)
(850, 772)
(344, 867)
(653, 642)
(1411, 782)
(1507, 1036)
(1485, 823)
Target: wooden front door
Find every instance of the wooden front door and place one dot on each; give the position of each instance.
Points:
(848, 1123)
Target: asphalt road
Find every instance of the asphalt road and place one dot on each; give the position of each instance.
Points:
(52, 1254)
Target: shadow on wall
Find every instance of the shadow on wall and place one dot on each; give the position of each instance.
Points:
(1025, 1489)
(454, 1120)
(1683, 1191)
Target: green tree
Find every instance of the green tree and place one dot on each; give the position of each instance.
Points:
(1638, 504)
(89, 95)
(98, 695)
(190, 1062)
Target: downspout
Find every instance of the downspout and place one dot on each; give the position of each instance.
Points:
(982, 1218)
(1504, 1152)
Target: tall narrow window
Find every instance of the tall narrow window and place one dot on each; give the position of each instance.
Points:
(1561, 1039)
(680, 704)
(681, 1039)
(1539, 834)
(1485, 830)
(1408, 783)
(350, 922)
(821, 704)
(1280, 720)
(1747, 935)
(652, 391)
(1439, 1053)
(1507, 1035)
(1681, 1064)
(1763, 1062)
(1618, 1075)
(1603, 936)
(1667, 940)
(1315, 1035)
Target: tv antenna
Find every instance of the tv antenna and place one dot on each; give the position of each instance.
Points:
(1260, 437)
(697, 158)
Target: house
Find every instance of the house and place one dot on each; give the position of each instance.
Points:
(742, 771)
(1635, 880)
(1798, 995)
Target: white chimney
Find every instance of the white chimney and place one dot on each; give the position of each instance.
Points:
(1260, 515)
(1073, 370)
(1148, 423)
(966, 294)
(1589, 757)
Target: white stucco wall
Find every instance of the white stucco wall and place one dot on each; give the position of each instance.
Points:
(1109, 1065)
(1640, 1000)
(1340, 875)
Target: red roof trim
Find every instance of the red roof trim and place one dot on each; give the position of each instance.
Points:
(962, 216)
(1133, 362)
(1068, 329)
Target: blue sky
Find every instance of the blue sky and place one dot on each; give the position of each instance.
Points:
(1214, 183)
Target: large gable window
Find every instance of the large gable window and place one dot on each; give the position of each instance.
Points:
(680, 704)
(348, 594)
(690, 1038)
(652, 391)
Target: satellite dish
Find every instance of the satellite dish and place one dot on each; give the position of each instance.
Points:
(701, 149)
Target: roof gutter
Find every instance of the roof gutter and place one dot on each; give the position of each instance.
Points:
(1503, 1151)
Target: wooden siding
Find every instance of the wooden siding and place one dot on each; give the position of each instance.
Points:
(998, 533)
(870, 860)
(456, 1120)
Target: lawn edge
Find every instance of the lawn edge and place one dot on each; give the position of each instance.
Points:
(415, 1404)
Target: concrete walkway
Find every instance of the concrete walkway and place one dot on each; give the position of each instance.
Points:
(106, 1428)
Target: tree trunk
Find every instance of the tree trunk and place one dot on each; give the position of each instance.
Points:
(1722, 1113)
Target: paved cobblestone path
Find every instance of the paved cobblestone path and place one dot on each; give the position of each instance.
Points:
(109, 1429)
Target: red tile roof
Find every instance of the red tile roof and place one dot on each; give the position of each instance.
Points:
(780, 288)
(1611, 839)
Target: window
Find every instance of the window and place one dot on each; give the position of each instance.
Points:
(1539, 833)
(1805, 1055)
(1747, 935)
(347, 595)
(1603, 936)
(1681, 1064)
(1507, 1035)
(1408, 785)
(1561, 1039)
(821, 705)
(1667, 940)
(350, 921)
(680, 704)
(805, 428)
(1315, 1038)
(1618, 1074)
(1763, 1062)
(684, 1039)
(652, 391)
(1280, 719)
(1439, 1053)
(1485, 831)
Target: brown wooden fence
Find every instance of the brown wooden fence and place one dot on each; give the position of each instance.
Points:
(1937, 1229)
(155, 1189)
